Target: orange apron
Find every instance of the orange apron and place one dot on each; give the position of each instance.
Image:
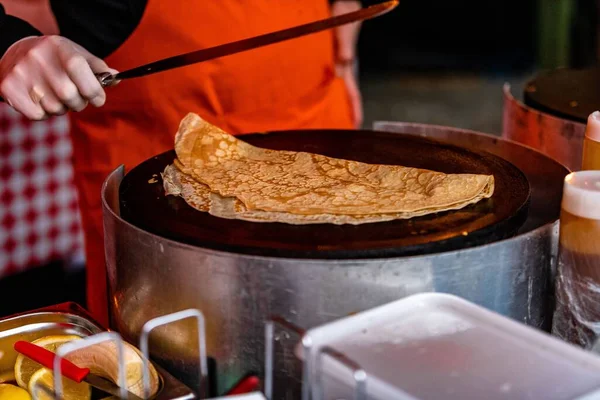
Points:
(290, 85)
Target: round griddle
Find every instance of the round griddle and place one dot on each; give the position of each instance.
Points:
(144, 204)
(566, 93)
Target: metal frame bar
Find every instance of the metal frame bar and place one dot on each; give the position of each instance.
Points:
(166, 320)
(358, 373)
(269, 349)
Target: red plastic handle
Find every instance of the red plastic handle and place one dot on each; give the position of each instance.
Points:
(246, 385)
(46, 358)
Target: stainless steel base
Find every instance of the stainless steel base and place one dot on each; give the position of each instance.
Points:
(150, 276)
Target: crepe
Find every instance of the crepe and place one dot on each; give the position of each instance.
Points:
(199, 196)
(310, 186)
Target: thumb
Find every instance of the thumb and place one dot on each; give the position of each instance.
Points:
(96, 64)
(99, 67)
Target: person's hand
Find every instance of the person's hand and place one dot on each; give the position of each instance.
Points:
(49, 75)
(346, 38)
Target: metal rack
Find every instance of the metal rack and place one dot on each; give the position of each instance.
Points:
(144, 347)
(313, 354)
(311, 388)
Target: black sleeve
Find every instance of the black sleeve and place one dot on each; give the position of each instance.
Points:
(13, 29)
(100, 26)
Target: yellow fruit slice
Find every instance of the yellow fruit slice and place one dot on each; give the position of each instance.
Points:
(101, 359)
(25, 368)
(71, 389)
(12, 392)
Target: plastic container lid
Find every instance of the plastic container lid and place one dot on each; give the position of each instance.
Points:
(438, 346)
(592, 129)
(248, 396)
(581, 194)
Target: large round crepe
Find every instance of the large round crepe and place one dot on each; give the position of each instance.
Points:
(227, 177)
(199, 196)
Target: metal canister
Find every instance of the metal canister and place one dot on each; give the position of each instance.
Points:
(577, 315)
(559, 138)
(591, 143)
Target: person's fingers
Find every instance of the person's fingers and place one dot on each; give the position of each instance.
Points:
(66, 91)
(21, 100)
(61, 84)
(76, 64)
(41, 93)
(97, 64)
(36, 93)
(49, 102)
(48, 75)
(45, 66)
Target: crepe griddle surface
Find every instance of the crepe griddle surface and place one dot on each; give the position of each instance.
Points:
(144, 204)
(566, 93)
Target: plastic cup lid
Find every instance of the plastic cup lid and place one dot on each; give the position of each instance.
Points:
(592, 130)
(581, 194)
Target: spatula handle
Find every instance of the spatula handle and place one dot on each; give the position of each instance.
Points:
(46, 358)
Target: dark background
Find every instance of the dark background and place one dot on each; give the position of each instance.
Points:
(486, 36)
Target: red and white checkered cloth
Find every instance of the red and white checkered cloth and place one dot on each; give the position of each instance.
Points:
(39, 214)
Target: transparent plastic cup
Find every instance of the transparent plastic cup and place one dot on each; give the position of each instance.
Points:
(577, 316)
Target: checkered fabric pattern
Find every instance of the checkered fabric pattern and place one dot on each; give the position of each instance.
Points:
(39, 214)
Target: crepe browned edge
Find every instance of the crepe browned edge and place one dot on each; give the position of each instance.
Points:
(199, 196)
(306, 184)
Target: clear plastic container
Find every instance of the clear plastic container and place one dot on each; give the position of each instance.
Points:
(577, 314)
(438, 346)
